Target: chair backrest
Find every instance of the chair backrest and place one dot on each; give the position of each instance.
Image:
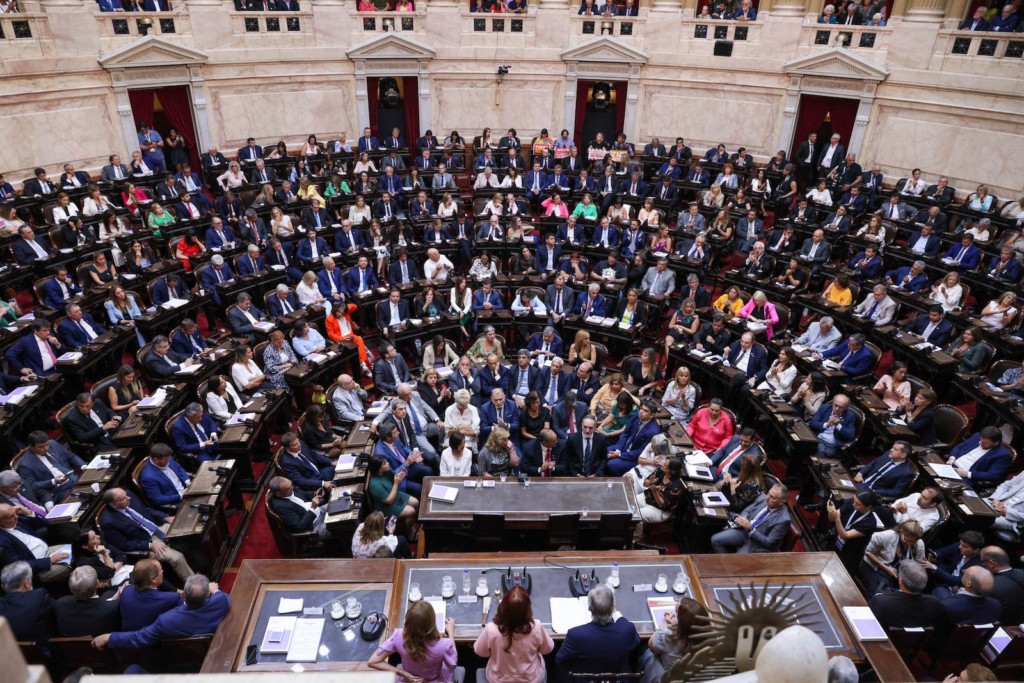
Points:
(170, 421)
(287, 542)
(136, 482)
(74, 653)
(488, 528)
(950, 423)
(917, 384)
(1000, 367)
(257, 352)
(909, 642)
(99, 389)
(965, 642)
(602, 355)
(784, 317)
(562, 530)
(876, 353)
(793, 535)
(859, 415)
(614, 531)
(989, 353)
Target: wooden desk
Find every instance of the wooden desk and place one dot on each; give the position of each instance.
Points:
(259, 584)
(968, 508)
(202, 536)
(141, 428)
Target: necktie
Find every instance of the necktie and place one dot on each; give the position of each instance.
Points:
(88, 334)
(893, 212)
(254, 266)
(285, 306)
(117, 173)
(552, 395)
(151, 528)
(760, 517)
(220, 274)
(25, 502)
(558, 302)
(874, 307)
(963, 250)
(387, 210)
(587, 453)
(572, 421)
(415, 421)
(313, 468)
(729, 459)
(316, 215)
(877, 475)
(546, 459)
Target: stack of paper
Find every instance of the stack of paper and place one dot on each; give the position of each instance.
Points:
(697, 458)
(943, 471)
(660, 608)
(445, 494)
(264, 326)
(715, 499)
(440, 612)
(63, 510)
(154, 401)
(864, 623)
(289, 605)
(189, 370)
(175, 303)
(697, 472)
(567, 613)
(278, 636)
(100, 462)
(346, 463)
(305, 640)
(70, 356)
(316, 358)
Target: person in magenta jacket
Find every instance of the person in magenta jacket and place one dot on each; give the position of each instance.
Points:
(759, 309)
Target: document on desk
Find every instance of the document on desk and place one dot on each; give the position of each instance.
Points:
(944, 471)
(189, 370)
(264, 326)
(444, 494)
(70, 356)
(305, 640)
(440, 612)
(158, 397)
(100, 462)
(17, 396)
(63, 510)
(289, 605)
(346, 463)
(864, 623)
(175, 303)
(277, 639)
(569, 612)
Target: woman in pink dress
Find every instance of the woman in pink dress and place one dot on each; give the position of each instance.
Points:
(514, 643)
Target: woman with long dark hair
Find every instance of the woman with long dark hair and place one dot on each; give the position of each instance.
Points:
(672, 641)
(514, 643)
(426, 655)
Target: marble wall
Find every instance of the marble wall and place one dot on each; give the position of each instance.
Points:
(469, 104)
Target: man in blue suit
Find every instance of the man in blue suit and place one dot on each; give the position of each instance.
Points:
(142, 602)
(499, 412)
(634, 187)
(911, 278)
(606, 235)
(361, 278)
(951, 561)
(666, 192)
(307, 468)
(217, 272)
(965, 256)
(1004, 267)
(31, 249)
(35, 353)
(523, 378)
(698, 176)
(195, 433)
(548, 255)
(492, 376)
(971, 604)
(204, 609)
(422, 206)
(403, 269)
(486, 299)
(933, 217)
(983, 458)
(932, 326)
(865, 265)
(368, 142)
(282, 302)
(315, 217)
(584, 382)
(623, 456)
(330, 282)
(534, 182)
(835, 425)
(18, 545)
(218, 236)
(553, 385)
(252, 263)
(545, 344)
(749, 357)
(590, 302)
(59, 288)
(132, 527)
(348, 239)
(188, 340)
(729, 458)
(282, 254)
(78, 329)
(749, 229)
(229, 207)
(567, 415)
(889, 474)
(251, 152)
(392, 184)
(851, 354)
(854, 201)
(399, 458)
(167, 288)
(311, 248)
(188, 180)
(162, 479)
(605, 645)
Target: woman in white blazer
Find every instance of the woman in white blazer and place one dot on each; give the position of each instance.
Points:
(222, 401)
(886, 550)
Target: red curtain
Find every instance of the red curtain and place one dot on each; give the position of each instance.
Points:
(582, 90)
(373, 100)
(620, 104)
(813, 110)
(142, 105)
(411, 107)
(177, 105)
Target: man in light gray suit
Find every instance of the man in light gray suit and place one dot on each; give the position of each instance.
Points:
(760, 528)
(443, 180)
(659, 282)
(877, 306)
(114, 171)
(348, 399)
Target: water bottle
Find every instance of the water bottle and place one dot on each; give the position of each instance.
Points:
(466, 582)
(615, 575)
(419, 346)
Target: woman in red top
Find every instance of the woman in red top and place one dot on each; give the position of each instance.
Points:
(131, 198)
(340, 328)
(188, 246)
(711, 427)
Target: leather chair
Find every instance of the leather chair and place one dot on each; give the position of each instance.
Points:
(75, 653)
(950, 425)
(86, 451)
(876, 353)
(601, 362)
(1007, 665)
(613, 532)
(561, 530)
(289, 543)
(909, 643)
(100, 389)
(784, 318)
(258, 353)
(174, 655)
(1000, 367)
(961, 648)
(917, 384)
(487, 531)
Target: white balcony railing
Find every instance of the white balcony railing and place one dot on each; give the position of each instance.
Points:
(627, 29)
(868, 39)
(273, 29)
(387, 22)
(981, 47)
(25, 36)
(499, 30)
(118, 29)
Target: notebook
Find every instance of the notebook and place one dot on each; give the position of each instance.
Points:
(277, 638)
(864, 623)
(446, 494)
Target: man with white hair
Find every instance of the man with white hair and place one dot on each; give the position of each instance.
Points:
(842, 670)
(218, 236)
(16, 544)
(29, 611)
(283, 302)
(426, 424)
(590, 302)
(820, 336)
(878, 306)
(606, 645)
(348, 399)
(252, 263)
(216, 273)
(29, 502)
(85, 612)
(330, 282)
(437, 267)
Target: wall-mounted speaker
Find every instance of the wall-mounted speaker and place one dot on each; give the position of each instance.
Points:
(723, 48)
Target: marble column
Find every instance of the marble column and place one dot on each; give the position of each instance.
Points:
(956, 10)
(423, 81)
(200, 102)
(860, 125)
(362, 101)
(787, 130)
(569, 120)
(673, 5)
(629, 119)
(783, 8)
(925, 10)
(124, 113)
(899, 8)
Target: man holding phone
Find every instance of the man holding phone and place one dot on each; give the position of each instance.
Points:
(300, 511)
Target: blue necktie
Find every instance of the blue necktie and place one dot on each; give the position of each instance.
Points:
(415, 421)
(871, 311)
(151, 529)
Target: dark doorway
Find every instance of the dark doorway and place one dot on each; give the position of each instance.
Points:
(394, 103)
(593, 116)
(164, 109)
(824, 116)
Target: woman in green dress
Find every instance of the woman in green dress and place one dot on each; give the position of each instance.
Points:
(622, 412)
(386, 490)
(586, 208)
(158, 218)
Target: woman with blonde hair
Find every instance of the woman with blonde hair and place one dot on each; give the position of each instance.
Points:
(280, 223)
(265, 197)
(730, 303)
(744, 489)
(463, 418)
(713, 197)
(680, 396)
(582, 350)
(308, 191)
(427, 657)
(373, 534)
(233, 177)
(307, 290)
(606, 396)
(886, 550)
(498, 456)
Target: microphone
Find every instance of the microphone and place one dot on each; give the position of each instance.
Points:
(222, 470)
(202, 507)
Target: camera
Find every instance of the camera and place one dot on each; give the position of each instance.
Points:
(503, 69)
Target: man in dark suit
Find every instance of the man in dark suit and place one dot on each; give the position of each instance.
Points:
(187, 339)
(815, 250)
(169, 190)
(348, 239)
(584, 382)
(760, 528)
(244, 316)
(523, 378)
(851, 354)
(205, 607)
(835, 426)
(392, 313)
(729, 458)
(951, 561)
(286, 194)
(40, 184)
(749, 357)
(78, 329)
(192, 207)
(605, 645)
(282, 302)
(940, 193)
(971, 604)
(545, 344)
(128, 524)
(162, 361)
(552, 383)
(213, 159)
(394, 141)
(830, 156)
(48, 466)
(400, 458)
(713, 336)
(300, 511)
(854, 201)
(865, 265)
(544, 457)
(282, 254)
(639, 431)
(142, 602)
(35, 353)
(251, 152)
(889, 474)
(803, 212)
(71, 179)
(28, 611)
(310, 470)
(499, 412)
(19, 542)
(391, 183)
(188, 180)
(58, 289)
(390, 370)
(1004, 267)
(85, 612)
(162, 479)
(590, 302)
(252, 263)
(216, 273)
(1007, 583)
(976, 22)
(910, 606)
(31, 249)
(964, 255)
(262, 175)
(386, 208)
(805, 156)
(229, 207)
(559, 300)
(91, 421)
(15, 491)
(586, 450)
(315, 217)
(403, 269)
(195, 433)
(167, 288)
(932, 326)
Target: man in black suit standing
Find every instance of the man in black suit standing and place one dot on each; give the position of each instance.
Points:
(300, 511)
(29, 611)
(909, 607)
(586, 451)
(805, 160)
(85, 612)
